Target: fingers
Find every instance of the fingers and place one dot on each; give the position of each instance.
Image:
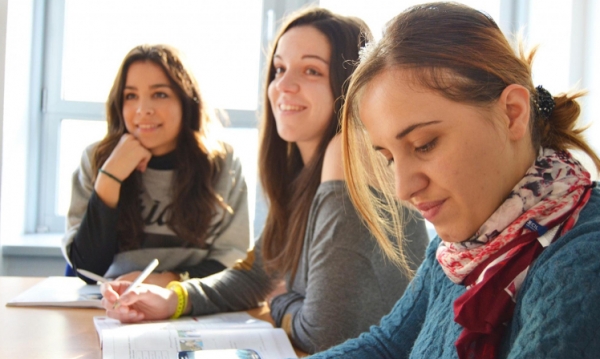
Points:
(125, 314)
(127, 156)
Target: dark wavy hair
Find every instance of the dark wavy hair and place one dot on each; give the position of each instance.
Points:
(289, 184)
(196, 158)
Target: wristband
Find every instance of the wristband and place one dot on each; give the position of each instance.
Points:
(182, 297)
(110, 175)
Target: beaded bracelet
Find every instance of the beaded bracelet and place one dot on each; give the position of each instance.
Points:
(110, 175)
(182, 297)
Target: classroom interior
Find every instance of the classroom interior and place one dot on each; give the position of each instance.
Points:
(58, 58)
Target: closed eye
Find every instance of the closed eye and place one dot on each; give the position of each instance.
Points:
(427, 147)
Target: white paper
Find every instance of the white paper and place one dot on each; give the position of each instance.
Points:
(234, 320)
(60, 292)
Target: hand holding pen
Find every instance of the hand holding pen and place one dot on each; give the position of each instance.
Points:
(132, 302)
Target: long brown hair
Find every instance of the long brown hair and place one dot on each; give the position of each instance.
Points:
(289, 184)
(461, 54)
(196, 158)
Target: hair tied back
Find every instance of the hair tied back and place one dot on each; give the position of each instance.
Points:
(544, 103)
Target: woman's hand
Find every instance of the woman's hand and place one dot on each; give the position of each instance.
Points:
(160, 279)
(145, 302)
(127, 156)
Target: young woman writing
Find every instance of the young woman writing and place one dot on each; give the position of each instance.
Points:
(337, 281)
(158, 185)
(483, 154)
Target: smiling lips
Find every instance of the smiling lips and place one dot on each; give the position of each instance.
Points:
(147, 127)
(430, 209)
(288, 108)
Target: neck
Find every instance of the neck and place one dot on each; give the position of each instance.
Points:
(307, 150)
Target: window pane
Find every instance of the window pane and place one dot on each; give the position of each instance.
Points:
(377, 12)
(550, 27)
(221, 41)
(75, 136)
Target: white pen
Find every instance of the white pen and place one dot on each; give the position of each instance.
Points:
(93, 276)
(139, 279)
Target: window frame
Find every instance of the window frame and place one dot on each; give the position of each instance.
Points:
(47, 109)
(50, 109)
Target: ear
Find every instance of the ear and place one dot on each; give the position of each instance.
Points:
(514, 103)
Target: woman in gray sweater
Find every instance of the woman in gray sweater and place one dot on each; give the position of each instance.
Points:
(158, 185)
(336, 280)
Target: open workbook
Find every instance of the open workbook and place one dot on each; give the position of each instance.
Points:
(213, 334)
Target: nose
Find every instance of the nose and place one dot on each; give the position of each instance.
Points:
(287, 82)
(409, 180)
(144, 108)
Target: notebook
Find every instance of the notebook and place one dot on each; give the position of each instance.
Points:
(59, 292)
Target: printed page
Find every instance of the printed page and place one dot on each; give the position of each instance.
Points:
(60, 292)
(234, 320)
(151, 341)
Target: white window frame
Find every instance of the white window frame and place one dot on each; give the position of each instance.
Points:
(54, 108)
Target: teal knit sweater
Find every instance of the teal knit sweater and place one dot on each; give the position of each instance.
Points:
(557, 314)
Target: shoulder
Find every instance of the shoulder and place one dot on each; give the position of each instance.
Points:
(332, 162)
(572, 261)
(226, 160)
(87, 157)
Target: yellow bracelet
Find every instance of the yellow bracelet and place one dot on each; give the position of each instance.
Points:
(182, 297)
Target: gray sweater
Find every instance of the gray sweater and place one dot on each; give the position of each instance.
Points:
(343, 283)
(91, 242)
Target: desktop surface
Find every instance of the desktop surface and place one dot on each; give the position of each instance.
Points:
(55, 332)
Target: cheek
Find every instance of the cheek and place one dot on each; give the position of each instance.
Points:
(271, 93)
(129, 116)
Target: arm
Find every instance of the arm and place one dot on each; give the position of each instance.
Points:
(231, 236)
(90, 239)
(239, 288)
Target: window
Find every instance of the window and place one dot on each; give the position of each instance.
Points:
(78, 45)
(85, 44)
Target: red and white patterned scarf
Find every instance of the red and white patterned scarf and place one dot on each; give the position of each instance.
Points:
(494, 262)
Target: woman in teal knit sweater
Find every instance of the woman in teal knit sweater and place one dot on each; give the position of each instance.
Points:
(483, 155)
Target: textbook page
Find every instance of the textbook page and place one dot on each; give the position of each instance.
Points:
(233, 320)
(142, 341)
(60, 292)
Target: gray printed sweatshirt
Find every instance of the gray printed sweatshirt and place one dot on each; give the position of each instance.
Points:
(91, 242)
(343, 283)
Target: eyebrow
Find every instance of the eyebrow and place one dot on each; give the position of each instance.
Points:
(316, 57)
(152, 86)
(408, 130)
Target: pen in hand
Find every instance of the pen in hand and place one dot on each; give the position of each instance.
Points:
(93, 276)
(138, 280)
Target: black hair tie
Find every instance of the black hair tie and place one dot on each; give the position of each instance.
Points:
(545, 103)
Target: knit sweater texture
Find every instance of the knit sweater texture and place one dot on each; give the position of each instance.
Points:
(556, 316)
